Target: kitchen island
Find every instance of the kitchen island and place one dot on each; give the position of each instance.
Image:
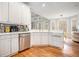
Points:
(54, 38)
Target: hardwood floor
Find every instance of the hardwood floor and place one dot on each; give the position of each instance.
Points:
(71, 49)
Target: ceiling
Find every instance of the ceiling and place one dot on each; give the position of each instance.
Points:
(53, 10)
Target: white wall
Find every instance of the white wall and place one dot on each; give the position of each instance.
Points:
(78, 22)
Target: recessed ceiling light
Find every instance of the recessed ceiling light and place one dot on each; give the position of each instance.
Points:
(43, 5)
(22, 6)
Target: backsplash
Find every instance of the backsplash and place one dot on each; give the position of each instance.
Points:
(13, 28)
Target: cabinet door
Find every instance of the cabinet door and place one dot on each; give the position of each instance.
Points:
(4, 47)
(44, 38)
(56, 41)
(14, 44)
(35, 38)
(15, 13)
(3, 12)
(24, 15)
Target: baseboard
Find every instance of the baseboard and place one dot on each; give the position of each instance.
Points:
(55, 47)
(46, 45)
(23, 50)
(13, 54)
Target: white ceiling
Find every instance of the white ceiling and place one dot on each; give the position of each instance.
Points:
(55, 9)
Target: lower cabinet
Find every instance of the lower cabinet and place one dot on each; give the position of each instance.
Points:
(47, 38)
(8, 45)
(14, 45)
(4, 47)
(56, 39)
(39, 38)
(35, 38)
(44, 38)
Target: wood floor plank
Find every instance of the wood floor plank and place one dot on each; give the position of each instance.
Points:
(71, 49)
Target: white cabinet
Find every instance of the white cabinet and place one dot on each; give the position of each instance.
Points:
(47, 38)
(4, 12)
(35, 38)
(19, 13)
(8, 44)
(4, 46)
(44, 38)
(56, 39)
(26, 15)
(39, 38)
(14, 44)
(15, 13)
(15, 16)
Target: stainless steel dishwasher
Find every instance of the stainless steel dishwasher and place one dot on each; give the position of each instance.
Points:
(24, 41)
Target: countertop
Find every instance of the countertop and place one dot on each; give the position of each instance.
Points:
(48, 31)
(32, 32)
(75, 32)
(13, 33)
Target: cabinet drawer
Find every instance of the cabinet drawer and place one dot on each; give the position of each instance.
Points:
(14, 35)
(4, 47)
(5, 37)
(1, 37)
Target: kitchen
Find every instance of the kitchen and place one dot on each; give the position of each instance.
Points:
(23, 26)
(14, 30)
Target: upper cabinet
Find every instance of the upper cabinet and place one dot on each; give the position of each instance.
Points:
(25, 15)
(3, 12)
(14, 13)
(19, 13)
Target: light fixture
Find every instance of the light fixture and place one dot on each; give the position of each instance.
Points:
(22, 6)
(43, 5)
(61, 15)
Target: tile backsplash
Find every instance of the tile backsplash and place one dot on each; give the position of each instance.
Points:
(13, 28)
